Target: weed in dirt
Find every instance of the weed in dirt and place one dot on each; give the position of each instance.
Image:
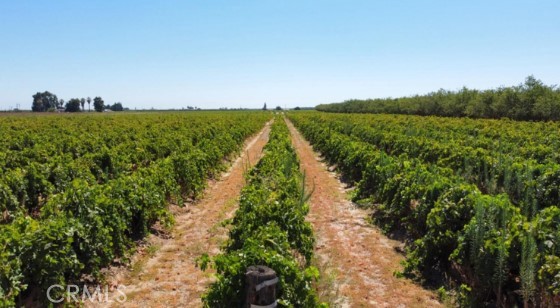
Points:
(151, 250)
(328, 290)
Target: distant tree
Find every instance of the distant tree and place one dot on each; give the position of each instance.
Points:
(82, 102)
(480, 106)
(297, 108)
(98, 104)
(89, 103)
(506, 103)
(117, 107)
(73, 105)
(264, 107)
(278, 108)
(533, 90)
(61, 103)
(43, 101)
(547, 107)
(531, 100)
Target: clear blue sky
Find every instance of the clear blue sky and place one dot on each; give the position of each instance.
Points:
(170, 54)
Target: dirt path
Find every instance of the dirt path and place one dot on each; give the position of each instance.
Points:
(165, 273)
(355, 259)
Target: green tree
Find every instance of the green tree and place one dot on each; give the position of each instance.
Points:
(43, 101)
(547, 107)
(532, 90)
(89, 103)
(264, 107)
(531, 100)
(480, 106)
(515, 106)
(502, 103)
(73, 105)
(457, 106)
(98, 104)
(82, 102)
(118, 107)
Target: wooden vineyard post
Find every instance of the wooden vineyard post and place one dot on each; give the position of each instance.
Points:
(261, 284)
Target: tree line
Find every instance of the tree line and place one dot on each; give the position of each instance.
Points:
(531, 100)
(49, 102)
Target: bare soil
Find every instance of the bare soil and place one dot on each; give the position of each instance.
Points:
(164, 272)
(357, 262)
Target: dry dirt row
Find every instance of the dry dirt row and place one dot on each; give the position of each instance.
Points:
(164, 274)
(356, 260)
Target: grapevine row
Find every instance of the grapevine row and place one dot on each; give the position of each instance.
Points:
(483, 243)
(43, 155)
(529, 182)
(269, 228)
(66, 215)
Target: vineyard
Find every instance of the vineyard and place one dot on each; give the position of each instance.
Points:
(269, 228)
(475, 200)
(77, 192)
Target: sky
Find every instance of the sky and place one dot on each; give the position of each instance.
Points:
(288, 53)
